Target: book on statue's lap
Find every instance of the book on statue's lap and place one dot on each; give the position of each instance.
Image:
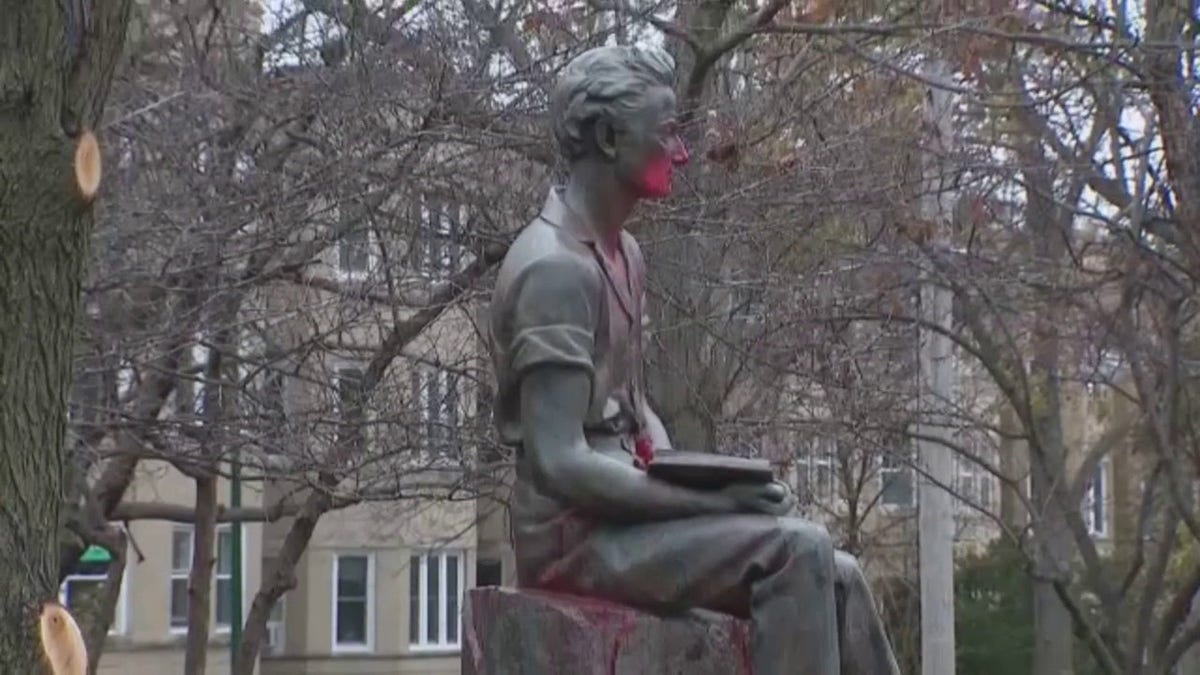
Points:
(705, 471)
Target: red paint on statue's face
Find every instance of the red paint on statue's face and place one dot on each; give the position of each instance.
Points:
(654, 182)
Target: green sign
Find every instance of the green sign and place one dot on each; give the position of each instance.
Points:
(96, 554)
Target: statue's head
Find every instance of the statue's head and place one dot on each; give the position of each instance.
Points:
(617, 105)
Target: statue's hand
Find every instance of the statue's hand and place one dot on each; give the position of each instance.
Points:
(773, 499)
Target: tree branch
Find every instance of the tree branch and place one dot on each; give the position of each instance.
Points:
(753, 24)
(182, 513)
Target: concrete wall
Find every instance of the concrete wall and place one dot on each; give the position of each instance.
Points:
(156, 661)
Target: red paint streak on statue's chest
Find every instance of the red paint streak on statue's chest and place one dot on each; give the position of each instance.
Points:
(618, 265)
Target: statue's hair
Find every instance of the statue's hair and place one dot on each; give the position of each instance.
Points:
(604, 82)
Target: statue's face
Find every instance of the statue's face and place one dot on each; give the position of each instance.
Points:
(649, 147)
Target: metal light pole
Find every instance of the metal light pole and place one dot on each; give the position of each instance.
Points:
(935, 523)
(235, 549)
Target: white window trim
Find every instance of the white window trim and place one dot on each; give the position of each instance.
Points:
(816, 457)
(276, 636)
(447, 419)
(970, 479)
(217, 629)
(884, 473)
(335, 646)
(1098, 530)
(428, 378)
(220, 629)
(423, 614)
(175, 574)
(426, 267)
(201, 354)
(120, 613)
(372, 259)
(369, 416)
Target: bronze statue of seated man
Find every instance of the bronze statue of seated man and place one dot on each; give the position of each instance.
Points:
(565, 337)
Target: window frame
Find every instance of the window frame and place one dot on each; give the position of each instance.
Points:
(1089, 505)
(438, 252)
(120, 611)
(352, 416)
(225, 528)
(368, 645)
(418, 599)
(200, 352)
(820, 453)
(900, 467)
(440, 427)
(974, 486)
(184, 575)
(370, 242)
(275, 637)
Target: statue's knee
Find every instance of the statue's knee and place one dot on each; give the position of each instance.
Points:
(848, 570)
(807, 540)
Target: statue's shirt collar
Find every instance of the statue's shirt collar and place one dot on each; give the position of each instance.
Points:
(556, 212)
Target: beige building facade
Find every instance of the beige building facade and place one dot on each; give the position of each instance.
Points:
(379, 590)
(150, 621)
(381, 586)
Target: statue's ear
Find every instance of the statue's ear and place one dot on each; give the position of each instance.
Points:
(605, 138)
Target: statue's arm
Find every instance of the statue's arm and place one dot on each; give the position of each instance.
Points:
(655, 427)
(554, 403)
(555, 315)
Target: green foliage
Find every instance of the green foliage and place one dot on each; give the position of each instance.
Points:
(994, 613)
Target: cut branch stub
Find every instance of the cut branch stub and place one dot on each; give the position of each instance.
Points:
(87, 166)
(62, 641)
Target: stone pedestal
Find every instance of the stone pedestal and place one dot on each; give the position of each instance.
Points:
(521, 632)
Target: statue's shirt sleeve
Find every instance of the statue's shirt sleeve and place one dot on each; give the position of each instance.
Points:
(555, 313)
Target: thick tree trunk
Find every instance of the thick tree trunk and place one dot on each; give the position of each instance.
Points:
(43, 239)
(56, 62)
(200, 579)
(44, 230)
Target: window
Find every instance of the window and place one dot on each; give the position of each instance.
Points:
(747, 300)
(265, 396)
(1094, 506)
(488, 572)
(351, 415)
(353, 604)
(435, 595)
(816, 472)
(182, 543)
(436, 391)
(181, 567)
(86, 582)
(126, 377)
(223, 588)
(275, 628)
(896, 478)
(973, 489)
(193, 399)
(354, 253)
(260, 370)
(437, 249)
